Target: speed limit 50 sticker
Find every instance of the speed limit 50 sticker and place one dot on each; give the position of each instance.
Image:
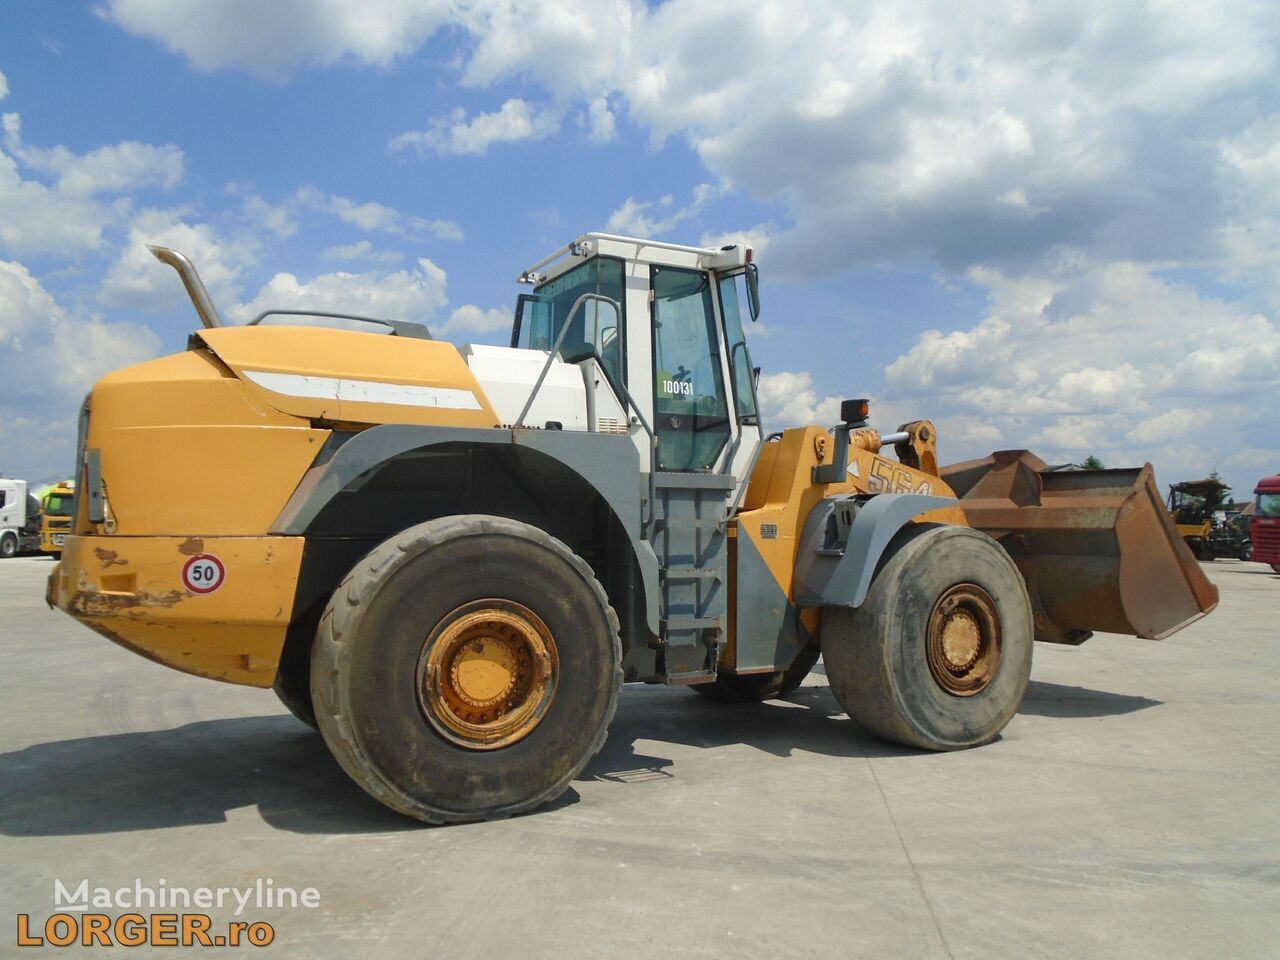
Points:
(203, 574)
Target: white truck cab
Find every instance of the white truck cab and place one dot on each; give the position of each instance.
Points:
(19, 519)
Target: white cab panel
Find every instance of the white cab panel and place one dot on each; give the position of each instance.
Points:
(508, 376)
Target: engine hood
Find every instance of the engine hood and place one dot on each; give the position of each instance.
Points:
(351, 377)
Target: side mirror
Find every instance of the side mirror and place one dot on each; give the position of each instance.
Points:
(532, 323)
(753, 290)
(521, 300)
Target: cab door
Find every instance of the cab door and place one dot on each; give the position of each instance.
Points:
(692, 418)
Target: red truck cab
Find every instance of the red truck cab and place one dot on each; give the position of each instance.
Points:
(1265, 526)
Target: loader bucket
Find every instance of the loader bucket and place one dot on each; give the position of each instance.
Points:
(1096, 548)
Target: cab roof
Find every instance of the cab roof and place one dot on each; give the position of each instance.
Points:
(658, 252)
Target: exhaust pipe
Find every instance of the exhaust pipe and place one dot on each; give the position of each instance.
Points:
(205, 309)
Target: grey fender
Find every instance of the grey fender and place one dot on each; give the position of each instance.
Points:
(608, 463)
(832, 571)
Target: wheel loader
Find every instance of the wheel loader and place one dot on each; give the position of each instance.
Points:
(1196, 507)
(449, 559)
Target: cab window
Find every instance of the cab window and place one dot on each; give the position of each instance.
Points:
(57, 505)
(596, 328)
(690, 406)
(733, 304)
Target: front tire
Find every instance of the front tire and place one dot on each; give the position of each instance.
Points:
(8, 546)
(466, 669)
(939, 654)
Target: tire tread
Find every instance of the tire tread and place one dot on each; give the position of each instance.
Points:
(359, 587)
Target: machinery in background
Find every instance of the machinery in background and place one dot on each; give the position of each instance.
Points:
(19, 519)
(1201, 512)
(55, 510)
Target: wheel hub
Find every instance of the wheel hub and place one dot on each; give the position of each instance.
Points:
(963, 640)
(487, 674)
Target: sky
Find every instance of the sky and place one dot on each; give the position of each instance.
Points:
(1051, 225)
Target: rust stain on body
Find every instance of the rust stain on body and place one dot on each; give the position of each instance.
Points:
(88, 603)
(191, 547)
(109, 558)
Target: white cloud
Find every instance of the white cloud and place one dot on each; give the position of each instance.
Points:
(70, 214)
(377, 217)
(889, 133)
(1074, 158)
(789, 399)
(407, 295)
(4, 85)
(470, 319)
(456, 134)
(894, 133)
(35, 218)
(117, 168)
(1107, 359)
(600, 122)
(417, 295)
(757, 238)
(653, 218)
(361, 250)
(136, 280)
(267, 38)
(278, 219)
(51, 358)
(1171, 425)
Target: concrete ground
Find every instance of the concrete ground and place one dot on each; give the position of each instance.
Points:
(1129, 811)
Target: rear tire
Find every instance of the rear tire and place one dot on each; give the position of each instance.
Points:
(752, 688)
(939, 654)
(404, 665)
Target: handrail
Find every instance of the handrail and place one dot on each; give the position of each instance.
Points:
(399, 328)
(742, 487)
(626, 395)
(555, 349)
(647, 525)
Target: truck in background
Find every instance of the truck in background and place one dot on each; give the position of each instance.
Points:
(55, 523)
(1265, 525)
(19, 519)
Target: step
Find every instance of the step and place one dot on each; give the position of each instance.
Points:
(690, 623)
(692, 573)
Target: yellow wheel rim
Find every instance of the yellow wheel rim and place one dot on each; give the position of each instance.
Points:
(487, 674)
(962, 641)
